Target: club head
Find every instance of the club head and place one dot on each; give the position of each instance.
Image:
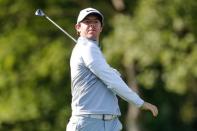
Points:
(39, 12)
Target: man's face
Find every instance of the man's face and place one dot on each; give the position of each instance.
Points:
(90, 27)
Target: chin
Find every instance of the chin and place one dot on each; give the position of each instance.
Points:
(91, 37)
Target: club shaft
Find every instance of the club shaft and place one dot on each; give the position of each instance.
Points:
(61, 29)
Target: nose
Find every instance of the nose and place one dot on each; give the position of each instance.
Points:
(92, 25)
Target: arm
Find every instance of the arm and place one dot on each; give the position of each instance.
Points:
(95, 61)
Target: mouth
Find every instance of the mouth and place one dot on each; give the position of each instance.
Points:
(91, 30)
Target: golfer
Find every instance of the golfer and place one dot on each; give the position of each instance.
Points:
(95, 85)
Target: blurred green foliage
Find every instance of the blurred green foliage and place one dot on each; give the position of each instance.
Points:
(157, 36)
(159, 40)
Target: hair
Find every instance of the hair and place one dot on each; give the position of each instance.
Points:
(99, 17)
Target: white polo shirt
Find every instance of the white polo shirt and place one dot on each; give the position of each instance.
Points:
(94, 83)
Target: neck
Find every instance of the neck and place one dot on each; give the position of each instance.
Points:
(90, 39)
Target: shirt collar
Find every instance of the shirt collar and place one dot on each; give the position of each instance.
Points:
(90, 40)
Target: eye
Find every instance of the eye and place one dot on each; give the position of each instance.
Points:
(96, 21)
(91, 21)
(87, 21)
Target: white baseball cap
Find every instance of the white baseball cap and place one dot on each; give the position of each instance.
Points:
(87, 11)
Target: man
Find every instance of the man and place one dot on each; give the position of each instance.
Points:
(94, 83)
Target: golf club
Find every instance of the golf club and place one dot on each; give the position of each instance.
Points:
(39, 12)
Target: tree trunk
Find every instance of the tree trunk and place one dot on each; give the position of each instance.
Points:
(118, 4)
(133, 111)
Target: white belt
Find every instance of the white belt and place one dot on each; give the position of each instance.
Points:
(100, 116)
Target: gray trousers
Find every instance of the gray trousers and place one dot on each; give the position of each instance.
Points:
(79, 123)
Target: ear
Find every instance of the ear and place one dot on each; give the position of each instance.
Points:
(77, 27)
